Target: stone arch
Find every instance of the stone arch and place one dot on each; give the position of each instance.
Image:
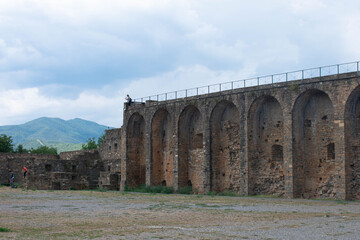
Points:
(161, 149)
(352, 145)
(313, 145)
(191, 154)
(136, 158)
(265, 147)
(225, 147)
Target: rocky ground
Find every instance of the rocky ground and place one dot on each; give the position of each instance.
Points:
(114, 215)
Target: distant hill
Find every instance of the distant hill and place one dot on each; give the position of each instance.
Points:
(54, 132)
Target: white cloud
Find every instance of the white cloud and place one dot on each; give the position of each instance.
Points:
(79, 58)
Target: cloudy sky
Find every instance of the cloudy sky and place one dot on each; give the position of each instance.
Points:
(79, 58)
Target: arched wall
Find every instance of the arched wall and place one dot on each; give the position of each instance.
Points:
(265, 147)
(313, 145)
(225, 147)
(161, 149)
(190, 144)
(352, 145)
(136, 156)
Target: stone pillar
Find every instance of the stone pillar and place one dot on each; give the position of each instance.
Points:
(207, 154)
(175, 137)
(339, 140)
(123, 155)
(288, 154)
(148, 151)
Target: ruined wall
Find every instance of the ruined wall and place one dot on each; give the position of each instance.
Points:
(136, 162)
(352, 138)
(225, 148)
(16, 161)
(190, 148)
(265, 146)
(162, 149)
(110, 154)
(69, 170)
(288, 138)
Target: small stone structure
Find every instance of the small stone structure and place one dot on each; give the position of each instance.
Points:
(110, 154)
(84, 169)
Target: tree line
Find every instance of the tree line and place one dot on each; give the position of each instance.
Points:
(6, 145)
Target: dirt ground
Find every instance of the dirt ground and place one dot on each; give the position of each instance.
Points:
(114, 215)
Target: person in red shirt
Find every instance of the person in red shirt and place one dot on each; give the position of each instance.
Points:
(25, 171)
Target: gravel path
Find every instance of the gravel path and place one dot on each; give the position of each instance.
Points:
(116, 215)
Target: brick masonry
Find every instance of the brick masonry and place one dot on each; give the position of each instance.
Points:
(292, 139)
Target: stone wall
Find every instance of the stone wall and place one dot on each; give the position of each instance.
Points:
(69, 170)
(297, 139)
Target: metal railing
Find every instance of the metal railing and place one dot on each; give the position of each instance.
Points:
(257, 81)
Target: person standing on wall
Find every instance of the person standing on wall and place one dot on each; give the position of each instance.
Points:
(129, 100)
(25, 171)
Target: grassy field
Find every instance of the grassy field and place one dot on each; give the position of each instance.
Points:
(26, 214)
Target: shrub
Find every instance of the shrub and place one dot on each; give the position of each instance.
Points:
(2, 229)
(228, 193)
(149, 189)
(185, 190)
(212, 193)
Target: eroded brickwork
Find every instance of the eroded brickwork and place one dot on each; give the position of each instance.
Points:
(225, 148)
(291, 138)
(191, 153)
(265, 134)
(136, 162)
(314, 148)
(162, 149)
(352, 131)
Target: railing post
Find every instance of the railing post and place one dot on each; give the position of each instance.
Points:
(320, 71)
(258, 79)
(338, 71)
(272, 79)
(142, 100)
(220, 87)
(302, 74)
(186, 93)
(208, 89)
(197, 91)
(175, 94)
(232, 85)
(244, 83)
(165, 96)
(357, 66)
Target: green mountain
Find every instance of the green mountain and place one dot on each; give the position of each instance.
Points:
(54, 132)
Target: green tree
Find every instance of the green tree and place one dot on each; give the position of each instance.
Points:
(101, 140)
(20, 149)
(44, 150)
(91, 144)
(6, 143)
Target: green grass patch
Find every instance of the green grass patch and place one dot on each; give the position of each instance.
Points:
(185, 190)
(2, 185)
(150, 189)
(212, 193)
(229, 194)
(2, 229)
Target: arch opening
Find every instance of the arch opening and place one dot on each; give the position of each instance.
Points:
(352, 145)
(225, 148)
(162, 149)
(313, 146)
(265, 147)
(136, 158)
(191, 154)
